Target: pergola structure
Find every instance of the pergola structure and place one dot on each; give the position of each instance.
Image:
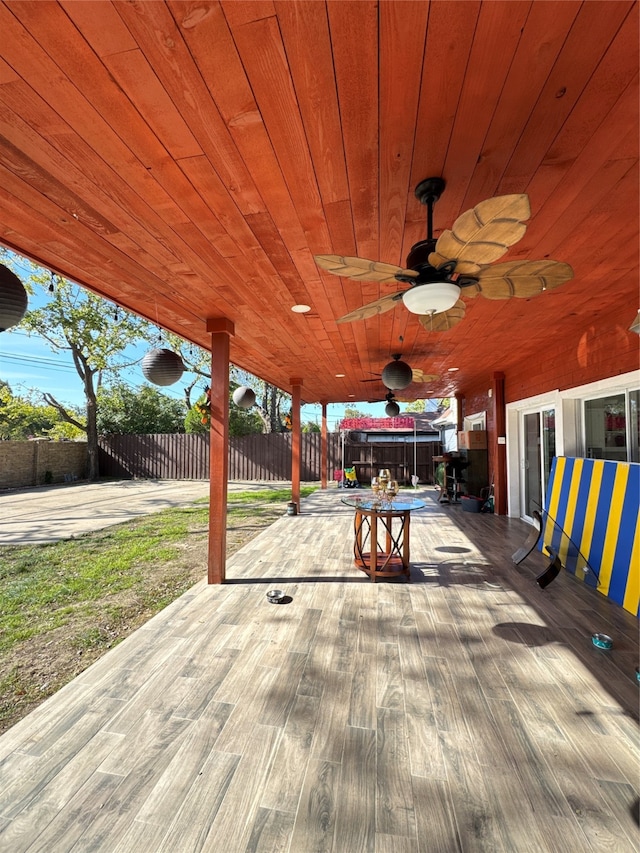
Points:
(188, 160)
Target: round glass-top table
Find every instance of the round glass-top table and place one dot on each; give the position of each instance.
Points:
(381, 534)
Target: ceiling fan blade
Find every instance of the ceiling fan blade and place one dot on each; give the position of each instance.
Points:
(421, 376)
(521, 279)
(361, 269)
(372, 308)
(445, 320)
(483, 234)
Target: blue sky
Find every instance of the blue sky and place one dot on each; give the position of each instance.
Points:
(29, 363)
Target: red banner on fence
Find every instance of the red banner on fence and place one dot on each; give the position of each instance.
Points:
(376, 423)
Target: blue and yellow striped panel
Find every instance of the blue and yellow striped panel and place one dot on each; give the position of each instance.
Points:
(593, 519)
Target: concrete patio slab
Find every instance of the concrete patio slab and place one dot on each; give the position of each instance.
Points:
(50, 513)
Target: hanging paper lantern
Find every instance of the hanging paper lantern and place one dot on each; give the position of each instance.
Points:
(397, 375)
(244, 397)
(13, 299)
(392, 409)
(162, 366)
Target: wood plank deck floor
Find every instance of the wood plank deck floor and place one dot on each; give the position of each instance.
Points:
(465, 711)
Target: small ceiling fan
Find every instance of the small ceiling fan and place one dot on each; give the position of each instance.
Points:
(459, 262)
(417, 376)
(392, 409)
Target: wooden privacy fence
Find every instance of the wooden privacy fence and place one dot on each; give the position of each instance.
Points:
(186, 457)
(398, 456)
(256, 457)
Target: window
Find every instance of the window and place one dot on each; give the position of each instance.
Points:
(611, 427)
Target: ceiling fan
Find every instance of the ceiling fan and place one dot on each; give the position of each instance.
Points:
(418, 375)
(392, 409)
(459, 262)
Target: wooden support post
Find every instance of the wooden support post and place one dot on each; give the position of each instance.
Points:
(221, 331)
(296, 385)
(500, 447)
(323, 448)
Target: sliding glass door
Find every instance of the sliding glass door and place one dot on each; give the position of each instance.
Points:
(537, 449)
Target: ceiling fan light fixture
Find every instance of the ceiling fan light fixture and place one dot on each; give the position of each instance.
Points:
(433, 298)
(397, 375)
(392, 409)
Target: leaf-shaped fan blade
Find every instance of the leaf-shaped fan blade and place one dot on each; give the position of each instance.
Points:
(483, 234)
(372, 308)
(521, 279)
(445, 320)
(361, 269)
(421, 376)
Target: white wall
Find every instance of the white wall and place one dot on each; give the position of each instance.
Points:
(569, 428)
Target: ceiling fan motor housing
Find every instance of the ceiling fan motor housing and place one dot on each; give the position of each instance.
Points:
(418, 257)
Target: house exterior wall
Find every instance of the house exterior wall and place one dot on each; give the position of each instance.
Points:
(474, 404)
(563, 374)
(564, 364)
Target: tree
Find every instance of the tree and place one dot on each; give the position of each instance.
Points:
(22, 418)
(271, 402)
(126, 411)
(75, 320)
(417, 406)
(352, 412)
(197, 362)
(241, 421)
(244, 421)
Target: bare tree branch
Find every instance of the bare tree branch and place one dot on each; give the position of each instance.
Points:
(64, 414)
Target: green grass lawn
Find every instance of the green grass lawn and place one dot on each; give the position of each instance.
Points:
(63, 604)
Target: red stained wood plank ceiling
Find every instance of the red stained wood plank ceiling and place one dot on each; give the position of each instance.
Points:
(188, 160)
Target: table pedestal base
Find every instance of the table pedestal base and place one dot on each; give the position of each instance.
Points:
(393, 561)
(386, 565)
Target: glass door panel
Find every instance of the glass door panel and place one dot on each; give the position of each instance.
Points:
(538, 443)
(548, 448)
(531, 464)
